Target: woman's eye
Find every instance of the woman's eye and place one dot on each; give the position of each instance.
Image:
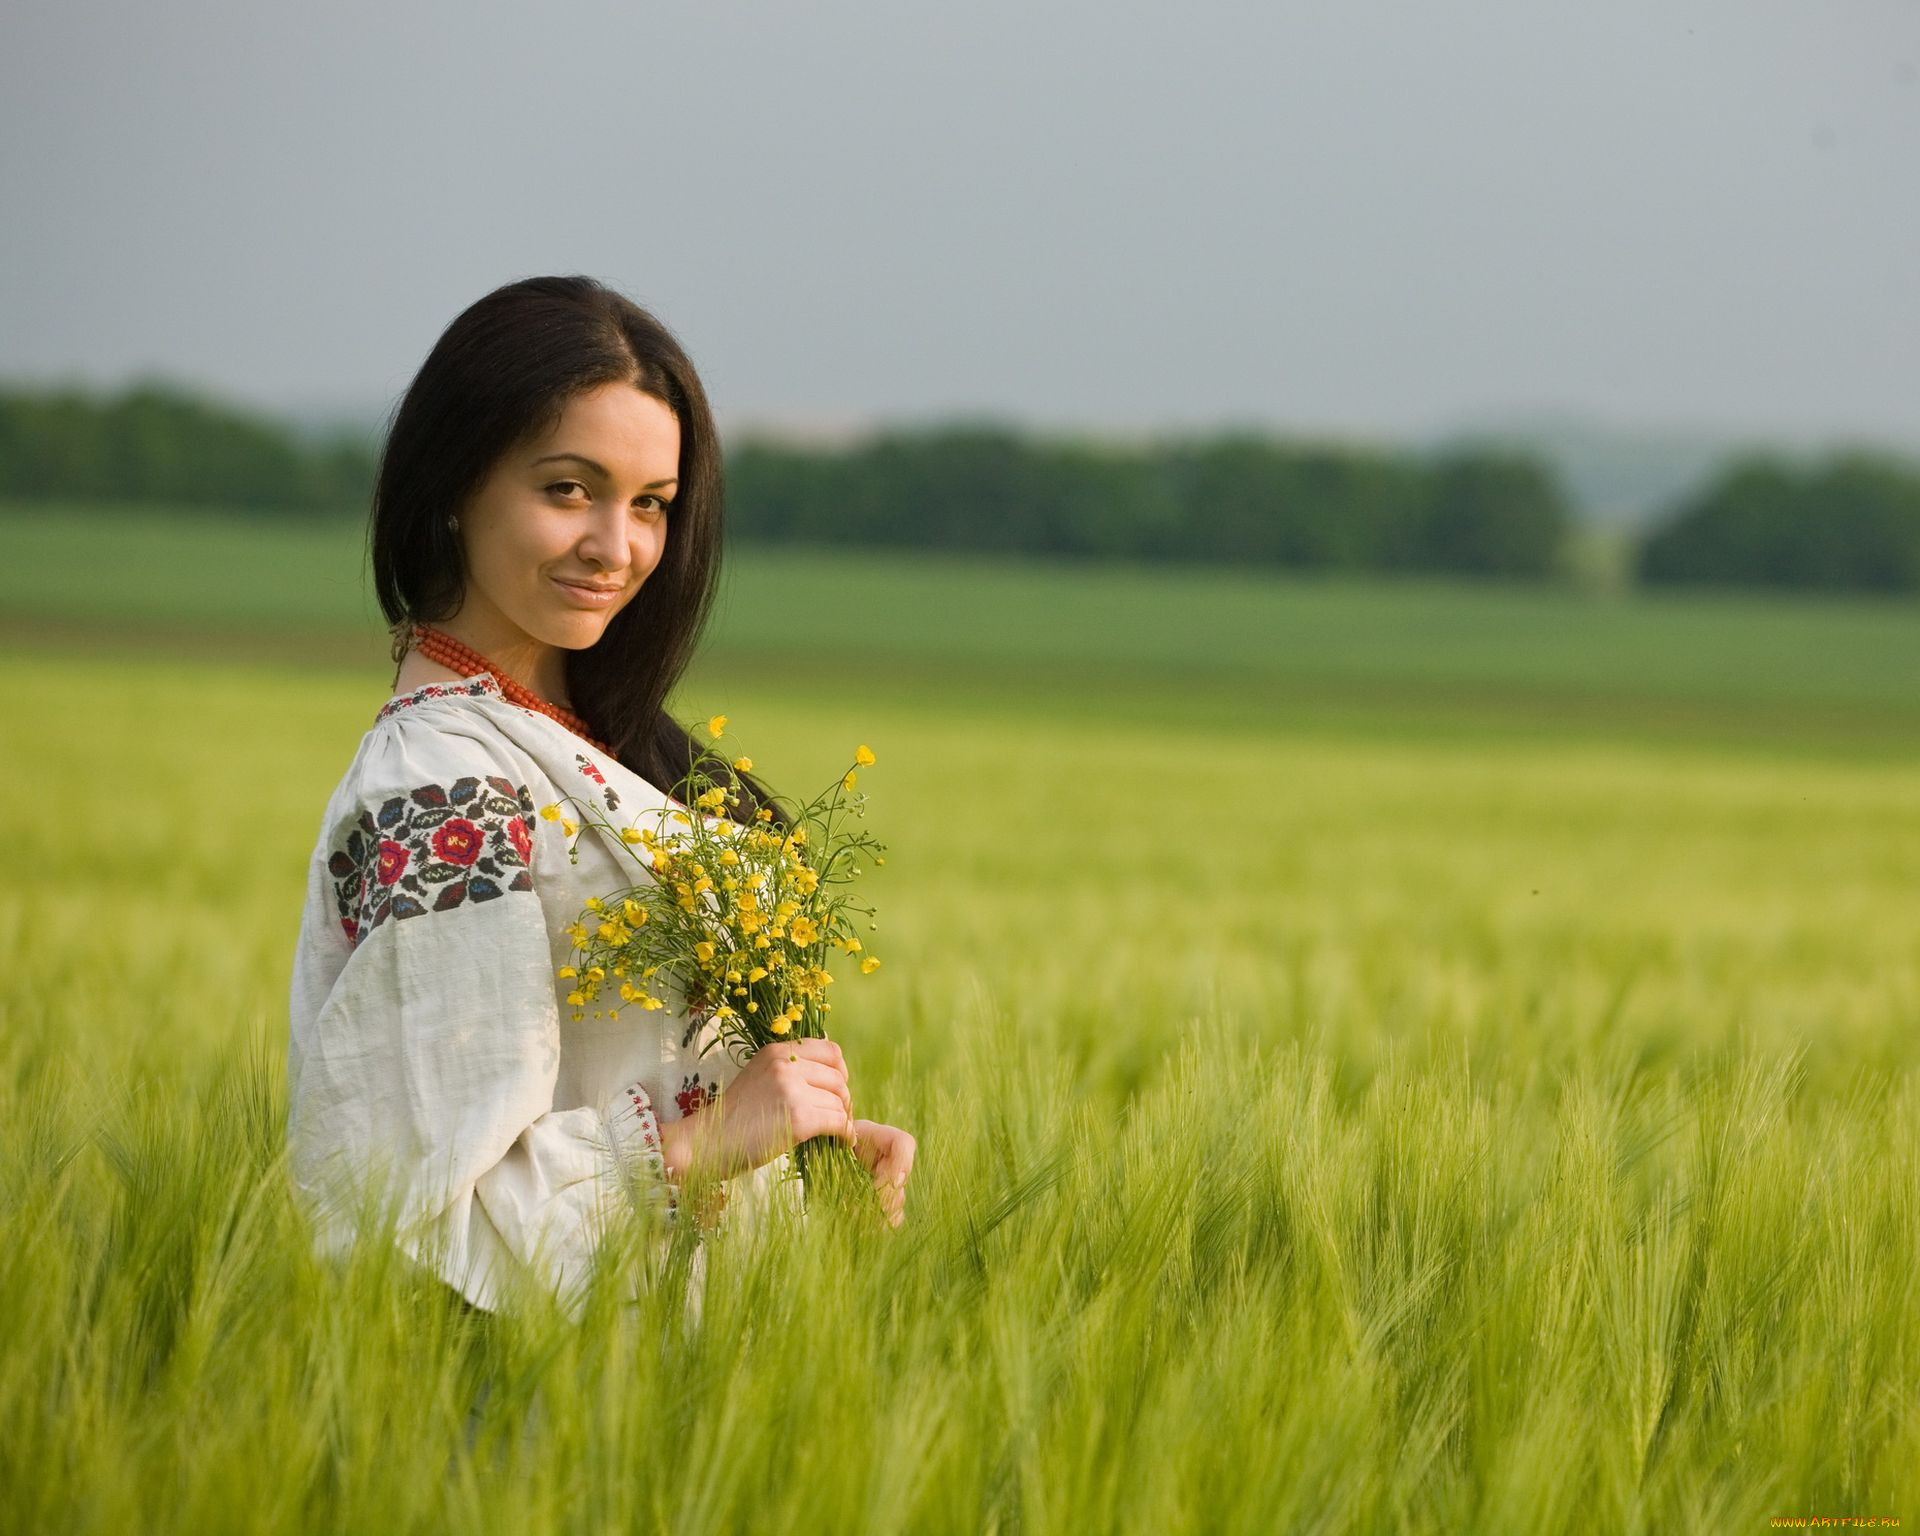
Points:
(562, 485)
(658, 506)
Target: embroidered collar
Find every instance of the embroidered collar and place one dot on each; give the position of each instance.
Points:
(485, 685)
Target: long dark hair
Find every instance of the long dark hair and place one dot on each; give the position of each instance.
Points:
(503, 371)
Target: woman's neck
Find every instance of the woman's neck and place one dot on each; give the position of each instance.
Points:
(540, 668)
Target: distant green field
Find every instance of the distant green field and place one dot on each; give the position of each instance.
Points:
(1385, 1058)
(1184, 645)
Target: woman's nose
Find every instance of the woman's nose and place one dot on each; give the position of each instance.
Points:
(605, 541)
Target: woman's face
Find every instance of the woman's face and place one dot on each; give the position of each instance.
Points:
(564, 529)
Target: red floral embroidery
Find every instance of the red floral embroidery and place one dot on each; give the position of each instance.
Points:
(695, 1095)
(587, 767)
(458, 841)
(417, 853)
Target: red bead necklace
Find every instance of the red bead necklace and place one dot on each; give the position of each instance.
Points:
(438, 645)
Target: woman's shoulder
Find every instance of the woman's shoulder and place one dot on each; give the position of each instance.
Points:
(439, 743)
(418, 687)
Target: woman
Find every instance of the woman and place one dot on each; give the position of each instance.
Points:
(545, 540)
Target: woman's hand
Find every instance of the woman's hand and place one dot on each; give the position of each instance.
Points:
(788, 1091)
(888, 1153)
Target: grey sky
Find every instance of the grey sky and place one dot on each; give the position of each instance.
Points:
(1364, 217)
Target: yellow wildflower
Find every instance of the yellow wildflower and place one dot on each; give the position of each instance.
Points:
(703, 951)
(576, 998)
(778, 1024)
(863, 755)
(717, 725)
(631, 835)
(742, 764)
(594, 904)
(869, 965)
(576, 933)
(847, 782)
(756, 973)
(804, 931)
(569, 826)
(596, 973)
(635, 913)
(549, 813)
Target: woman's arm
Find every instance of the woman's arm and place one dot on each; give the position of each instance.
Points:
(430, 1056)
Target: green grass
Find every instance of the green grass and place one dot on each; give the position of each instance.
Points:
(1364, 1082)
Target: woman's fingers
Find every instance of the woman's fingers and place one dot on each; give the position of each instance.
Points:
(892, 1162)
(816, 1075)
(811, 1048)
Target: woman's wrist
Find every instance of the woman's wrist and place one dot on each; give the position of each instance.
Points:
(676, 1148)
(691, 1147)
(686, 1154)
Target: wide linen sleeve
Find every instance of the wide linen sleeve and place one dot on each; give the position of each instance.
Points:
(426, 1031)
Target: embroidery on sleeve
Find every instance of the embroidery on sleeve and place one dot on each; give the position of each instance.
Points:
(606, 789)
(430, 850)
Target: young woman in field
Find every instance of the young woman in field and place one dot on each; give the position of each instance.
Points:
(546, 538)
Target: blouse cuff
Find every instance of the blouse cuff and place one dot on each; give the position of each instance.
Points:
(636, 1139)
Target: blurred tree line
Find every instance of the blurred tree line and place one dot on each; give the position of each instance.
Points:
(1848, 522)
(1237, 498)
(1240, 497)
(155, 442)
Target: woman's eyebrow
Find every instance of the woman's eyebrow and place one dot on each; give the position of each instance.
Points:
(601, 469)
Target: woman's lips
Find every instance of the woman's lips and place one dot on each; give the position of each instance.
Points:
(587, 597)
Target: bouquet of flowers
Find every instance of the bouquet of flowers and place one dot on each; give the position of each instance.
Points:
(740, 916)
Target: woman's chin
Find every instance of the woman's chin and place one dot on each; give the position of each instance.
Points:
(576, 631)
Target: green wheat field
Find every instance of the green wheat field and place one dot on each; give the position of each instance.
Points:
(1385, 1057)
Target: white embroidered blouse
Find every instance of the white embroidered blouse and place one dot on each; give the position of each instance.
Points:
(430, 1035)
